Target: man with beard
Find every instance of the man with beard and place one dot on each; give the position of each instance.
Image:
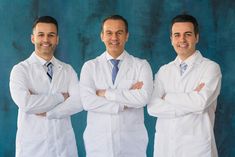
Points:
(46, 93)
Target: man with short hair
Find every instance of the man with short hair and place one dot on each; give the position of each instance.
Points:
(185, 97)
(115, 87)
(46, 93)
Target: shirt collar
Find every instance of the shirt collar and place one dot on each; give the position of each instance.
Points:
(189, 61)
(43, 61)
(109, 57)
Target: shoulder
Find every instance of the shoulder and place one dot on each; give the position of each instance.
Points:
(167, 66)
(205, 62)
(95, 62)
(136, 61)
(210, 62)
(21, 69)
(67, 67)
(210, 66)
(23, 65)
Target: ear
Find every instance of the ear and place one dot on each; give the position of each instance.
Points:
(197, 38)
(171, 40)
(127, 36)
(58, 38)
(102, 36)
(32, 38)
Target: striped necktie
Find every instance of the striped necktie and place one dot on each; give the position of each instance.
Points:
(49, 70)
(115, 69)
(183, 67)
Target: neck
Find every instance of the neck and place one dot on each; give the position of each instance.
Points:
(115, 55)
(45, 57)
(184, 57)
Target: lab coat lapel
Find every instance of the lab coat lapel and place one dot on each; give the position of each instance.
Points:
(198, 59)
(33, 60)
(123, 69)
(105, 70)
(57, 68)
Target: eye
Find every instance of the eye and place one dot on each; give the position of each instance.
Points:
(51, 35)
(119, 33)
(176, 35)
(188, 34)
(40, 35)
(108, 33)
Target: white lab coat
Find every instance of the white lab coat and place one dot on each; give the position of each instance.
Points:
(50, 136)
(113, 131)
(184, 126)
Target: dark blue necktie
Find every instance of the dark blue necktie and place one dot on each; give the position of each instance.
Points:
(115, 69)
(49, 70)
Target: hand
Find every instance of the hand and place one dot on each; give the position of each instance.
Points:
(137, 85)
(44, 114)
(101, 92)
(199, 87)
(66, 95)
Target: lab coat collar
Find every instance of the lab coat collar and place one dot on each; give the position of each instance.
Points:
(57, 64)
(121, 57)
(123, 69)
(196, 58)
(192, 62)
(34, 59)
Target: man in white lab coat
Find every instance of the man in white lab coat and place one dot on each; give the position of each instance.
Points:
(115, 87)
(185, 97)
(46, 92)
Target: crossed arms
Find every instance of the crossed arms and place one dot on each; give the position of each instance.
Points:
(115, 100)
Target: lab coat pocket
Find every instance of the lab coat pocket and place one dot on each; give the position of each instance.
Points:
(67, 143)
(26, 146)
(96, 142)
(193, 146)
(134, 143)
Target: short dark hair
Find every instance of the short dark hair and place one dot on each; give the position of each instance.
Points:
(115, 17)
(185, 18)
(45, 19)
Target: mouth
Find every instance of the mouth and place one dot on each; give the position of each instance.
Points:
(45, 44)
(183, 45)
(114, 43)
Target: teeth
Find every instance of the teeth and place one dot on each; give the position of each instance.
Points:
(114, 43)
(183, 45)
(46, 45)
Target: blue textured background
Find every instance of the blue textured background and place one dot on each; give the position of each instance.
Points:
(79, 23)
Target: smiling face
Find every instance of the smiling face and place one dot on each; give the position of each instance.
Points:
(184, 39)
(45, 39)
(114, 36)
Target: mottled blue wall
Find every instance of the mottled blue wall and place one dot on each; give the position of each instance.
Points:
(79, 23)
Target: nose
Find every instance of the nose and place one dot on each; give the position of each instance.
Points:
(45, 38)
(182, 38)
(114, 36)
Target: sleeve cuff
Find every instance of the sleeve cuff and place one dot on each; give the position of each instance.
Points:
(110, 95)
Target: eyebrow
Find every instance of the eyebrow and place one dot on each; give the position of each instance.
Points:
(188, 32)
(184, 32)
(116, 31)
(47, 33)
